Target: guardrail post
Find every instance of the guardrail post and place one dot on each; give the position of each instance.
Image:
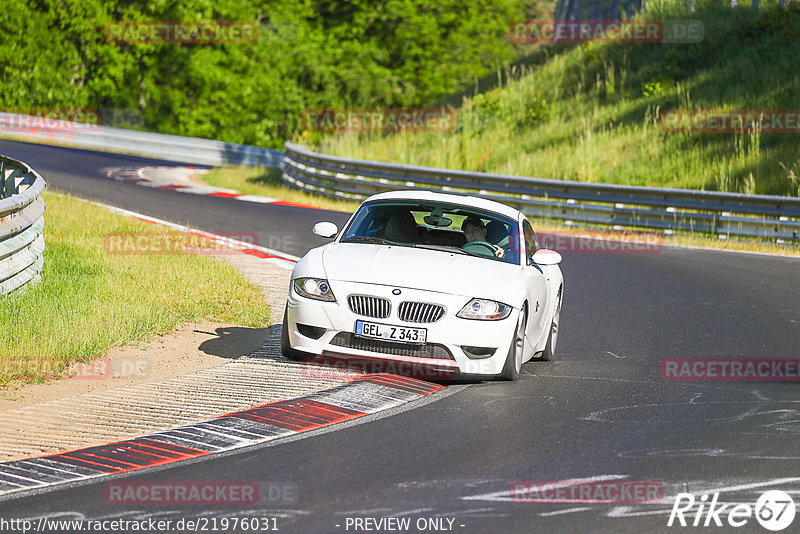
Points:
(11, 183)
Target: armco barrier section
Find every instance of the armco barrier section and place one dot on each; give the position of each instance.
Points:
(617, 206)
(169, 147)
(581, 203)
(21, 224)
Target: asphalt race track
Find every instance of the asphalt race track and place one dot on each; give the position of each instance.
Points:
(80, 172)
(600, 412)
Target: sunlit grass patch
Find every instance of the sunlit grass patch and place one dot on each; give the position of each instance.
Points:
(91, 297)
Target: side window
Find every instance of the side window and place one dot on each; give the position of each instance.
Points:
(530, 239)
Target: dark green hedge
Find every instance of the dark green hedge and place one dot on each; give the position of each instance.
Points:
(309, 54)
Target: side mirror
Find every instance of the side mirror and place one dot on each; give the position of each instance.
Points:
(546, 257)
(326, 229)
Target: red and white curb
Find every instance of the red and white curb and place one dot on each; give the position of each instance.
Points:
(365, 395)
(178, 179)
(276, 257)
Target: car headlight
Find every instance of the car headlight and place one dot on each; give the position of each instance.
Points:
(484, 310)
(314, 288)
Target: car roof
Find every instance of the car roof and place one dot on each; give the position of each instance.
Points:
(464, 200)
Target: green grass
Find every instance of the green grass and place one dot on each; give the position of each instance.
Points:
(590, 112)
(90, 299)
(267, 182)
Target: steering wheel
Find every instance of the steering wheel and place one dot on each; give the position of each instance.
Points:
(479, 247)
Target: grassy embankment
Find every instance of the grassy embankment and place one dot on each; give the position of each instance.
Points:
(91, 297)
(590, 112)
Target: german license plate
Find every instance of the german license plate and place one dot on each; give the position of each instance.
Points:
(402, 334)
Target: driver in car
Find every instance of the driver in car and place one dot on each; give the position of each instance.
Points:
(475, 231)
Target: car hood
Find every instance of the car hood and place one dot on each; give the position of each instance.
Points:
(407, 267)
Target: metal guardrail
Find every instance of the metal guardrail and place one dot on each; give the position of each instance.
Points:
(156, 145)
(618, 206)
(21, 224)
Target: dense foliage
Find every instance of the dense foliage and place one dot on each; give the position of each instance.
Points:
(309, 54)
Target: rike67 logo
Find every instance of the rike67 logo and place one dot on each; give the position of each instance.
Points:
(774, 511)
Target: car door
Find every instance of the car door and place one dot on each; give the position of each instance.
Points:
(536, 284)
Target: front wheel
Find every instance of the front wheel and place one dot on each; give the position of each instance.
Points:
(286, 346)
(514, 359)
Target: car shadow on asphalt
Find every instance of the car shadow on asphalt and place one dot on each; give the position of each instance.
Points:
(235, 341)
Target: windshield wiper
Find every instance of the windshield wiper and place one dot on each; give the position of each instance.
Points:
(476, 254)
(371, 239)
(444, 248)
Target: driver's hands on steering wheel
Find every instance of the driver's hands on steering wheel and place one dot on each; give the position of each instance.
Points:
(497, 250)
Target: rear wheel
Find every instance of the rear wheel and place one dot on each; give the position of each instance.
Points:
(286, 347)
(552, 338)
(514, 359)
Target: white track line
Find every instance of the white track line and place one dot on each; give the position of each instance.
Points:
(276, 257)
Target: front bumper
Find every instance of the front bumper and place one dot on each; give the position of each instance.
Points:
(327, 329)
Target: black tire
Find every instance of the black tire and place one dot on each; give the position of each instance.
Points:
(515, 352)
(286, 347)
(552, 338)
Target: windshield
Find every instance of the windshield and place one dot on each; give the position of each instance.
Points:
(436, 226)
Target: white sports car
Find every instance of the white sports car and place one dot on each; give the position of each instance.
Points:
(440, 285)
